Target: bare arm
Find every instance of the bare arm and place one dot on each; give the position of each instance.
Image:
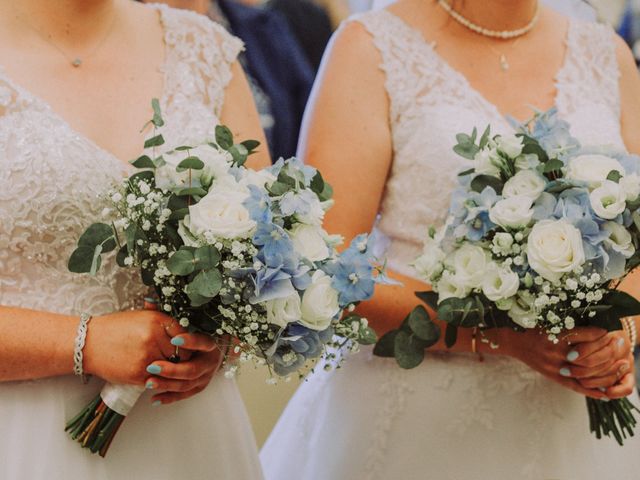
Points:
(240, 115)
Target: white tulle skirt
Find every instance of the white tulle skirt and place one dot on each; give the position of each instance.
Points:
(452, 418)
(207, 437)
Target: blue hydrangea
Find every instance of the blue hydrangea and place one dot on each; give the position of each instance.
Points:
(554, 134)
(259, 205)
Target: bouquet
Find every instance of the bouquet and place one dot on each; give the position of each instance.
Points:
(540, 233)
(233, 253)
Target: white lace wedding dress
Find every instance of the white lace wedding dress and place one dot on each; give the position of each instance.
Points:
(452, 418)
(50, 176)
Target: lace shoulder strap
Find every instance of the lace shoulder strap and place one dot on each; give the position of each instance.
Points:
(198, 58)
(591, 71)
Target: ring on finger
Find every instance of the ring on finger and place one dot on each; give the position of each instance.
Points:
(175, 358)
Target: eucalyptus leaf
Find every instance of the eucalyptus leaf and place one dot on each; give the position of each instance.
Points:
(408, 352)
(190, 163)
(155, 141)
(367, 336)
(614, 176)
(250, 145)
(430, 298)
(81, 260)
(196, 299)
(450, 336)
(121, 255)
(157, 113)
(192, 192)
(224, 137)
(96, 261)
(553, 165)
(206, 257)
(239, 153)
(143, 162)
(385, 346)
(183, 148)
(423, 327)
(182, 262)
(95, 235)
(207, 283)
(480, 182)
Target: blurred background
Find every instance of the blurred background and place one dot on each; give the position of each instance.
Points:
(285, 41)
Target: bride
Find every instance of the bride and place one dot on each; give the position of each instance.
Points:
(397, 86)
(76, 82)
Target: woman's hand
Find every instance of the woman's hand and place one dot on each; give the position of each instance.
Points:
(535, 350)
(120, 346)
(606, 364)
(178, 381)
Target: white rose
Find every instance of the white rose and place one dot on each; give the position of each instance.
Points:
(319, 303)
(450, 285)
(500, 283)
(630, 184)
(309, 241)
(469, 263)
(220, 214)
(283, 311)
(608, 200)
(619, 239)
(512, 212)
(554, 247)
(523, 311)
(429, 264)
(510, 145)
(592, 169)
(486, 163)
(216, 164)
(527, 183)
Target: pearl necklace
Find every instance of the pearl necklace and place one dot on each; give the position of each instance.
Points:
(504, 35)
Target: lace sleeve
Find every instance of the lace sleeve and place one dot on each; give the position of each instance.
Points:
(200, 54)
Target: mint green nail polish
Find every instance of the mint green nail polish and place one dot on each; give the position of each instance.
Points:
(177, 341)
(150, 386)
(565, 372)
(157, 403)
(572, 356)
(154, 369)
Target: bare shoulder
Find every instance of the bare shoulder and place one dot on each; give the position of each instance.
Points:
(626, 60)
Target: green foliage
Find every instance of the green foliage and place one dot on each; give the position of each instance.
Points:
(614, 176)
(450, 336)
(206, 283)
(155, 141)
(408, 350)
(206, 257)
(421, 325)
(190, 163)
(182, 262)
(143, 162)
(99, 238)
(462, 312)
(466, 146)
(224, 137)
(553, 165)
(157, 114)
(480, 182)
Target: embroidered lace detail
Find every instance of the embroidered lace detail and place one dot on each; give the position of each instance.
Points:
(52, 178)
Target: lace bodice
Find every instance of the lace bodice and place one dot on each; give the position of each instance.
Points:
(51, 177)
(430, 103)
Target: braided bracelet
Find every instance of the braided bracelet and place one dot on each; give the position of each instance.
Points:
(81, 337)
(629, 325)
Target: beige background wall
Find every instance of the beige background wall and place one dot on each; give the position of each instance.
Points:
(264, 402)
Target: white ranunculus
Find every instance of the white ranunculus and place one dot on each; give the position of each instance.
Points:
(283, 311)
(486, 163)
(429, 264)
(554, 247)
(500, 283)
(510, 145)
(526, 183)
(608, 200)
(619, 239)
(512, 212)
(220, 214)
(310, 242)
(469, 264)
(319, 303)
(527, 161)
(216, 162)
(592, 169)
(630, 184)
(451, 285)
(523, 311)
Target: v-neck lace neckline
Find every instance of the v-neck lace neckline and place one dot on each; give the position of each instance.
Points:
(47, 107)
(461, 78)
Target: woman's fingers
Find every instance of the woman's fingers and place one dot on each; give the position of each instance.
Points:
(177, 386)
(624, 388)
(168, 398)
(606, 349)
(609, 378)
(576, 387)
(195, 342)
(190, 370)
(585, 334)
(613, 367)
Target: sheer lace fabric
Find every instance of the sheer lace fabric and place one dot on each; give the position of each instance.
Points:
(452, 418)
(52, 185)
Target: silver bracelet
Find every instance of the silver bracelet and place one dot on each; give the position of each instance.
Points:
(81, 337)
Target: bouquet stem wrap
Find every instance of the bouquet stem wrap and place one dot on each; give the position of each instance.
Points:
(96, 425)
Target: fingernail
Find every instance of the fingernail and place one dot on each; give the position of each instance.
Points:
(624, 368)
(565, 372)
(177, 341)
(157, 403)
(573, 355)
(154, 369)
(620, 342)
(150, 385)
(605, 399)
(602, 389)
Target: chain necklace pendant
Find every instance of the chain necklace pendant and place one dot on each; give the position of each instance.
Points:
(504, 63)
(76, 62)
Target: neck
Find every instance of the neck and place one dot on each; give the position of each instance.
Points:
(497, 14)
(70, 22)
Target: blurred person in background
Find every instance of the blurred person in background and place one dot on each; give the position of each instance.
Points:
(278, 70)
